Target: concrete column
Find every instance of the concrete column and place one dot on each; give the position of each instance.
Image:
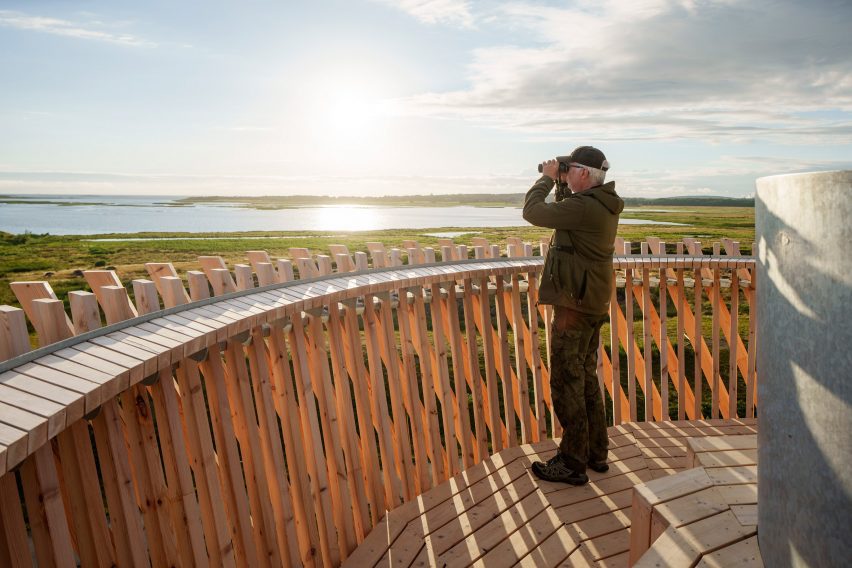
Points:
(804, 365)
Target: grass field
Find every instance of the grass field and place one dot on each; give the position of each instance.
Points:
(57, 259)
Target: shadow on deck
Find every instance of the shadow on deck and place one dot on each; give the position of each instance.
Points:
(498, 514)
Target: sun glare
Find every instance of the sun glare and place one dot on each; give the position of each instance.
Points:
(349, 114)
(346, 111)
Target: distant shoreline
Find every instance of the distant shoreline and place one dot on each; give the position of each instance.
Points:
(300, 201)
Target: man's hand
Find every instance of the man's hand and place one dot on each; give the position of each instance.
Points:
(550, 168)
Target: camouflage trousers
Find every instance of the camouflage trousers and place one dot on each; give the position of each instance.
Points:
(574, 387)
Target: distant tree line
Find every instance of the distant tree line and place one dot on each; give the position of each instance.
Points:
(446, 200)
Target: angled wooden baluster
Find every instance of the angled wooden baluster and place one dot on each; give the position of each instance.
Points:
(484, 316)
(14, 542)
(520, 331)
(125, 520)
(252, 499)
(224, 280)
(402, 437)
(346, 425)
(183, 504)
(334, 460)
(263, 266)
(470, 368)
(77, 463)
(532, 347)
(440, 366)
(378, 254)
(353, 359)
(393, 481)
(430, 387)
(342, 258)
(273, 456)
(27, 292)
(288, 411)
(217, 530)
(647, 334)
(451, 321)
(45, 509)
(628, 341)
(236, 381)
(141, 436)
(315, 458)
(510, 383)
(411, 396)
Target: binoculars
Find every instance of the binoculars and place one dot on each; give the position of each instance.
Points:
(563, 167)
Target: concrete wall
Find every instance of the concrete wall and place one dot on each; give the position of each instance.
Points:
(804, 363)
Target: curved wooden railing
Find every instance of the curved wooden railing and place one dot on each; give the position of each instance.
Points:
(276, 425)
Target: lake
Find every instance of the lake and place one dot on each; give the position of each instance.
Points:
(87, 215)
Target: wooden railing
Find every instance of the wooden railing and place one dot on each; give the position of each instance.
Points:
(277, 425)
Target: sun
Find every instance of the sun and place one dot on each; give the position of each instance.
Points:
(346, 116)
(349, 114)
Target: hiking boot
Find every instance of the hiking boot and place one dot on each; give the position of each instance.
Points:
(555, 469)
(600, 467)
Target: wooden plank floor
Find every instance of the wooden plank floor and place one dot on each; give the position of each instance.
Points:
(498, 514)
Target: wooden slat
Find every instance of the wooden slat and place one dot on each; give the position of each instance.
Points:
(417, 318)
(346, 425)
(14, 542)
(287, 410)
(454, 336)
(411, 395)
(440, 367)
(510, 386)
(199, 444)
(273, 454)
(315, 458)
(45, 510)
(125, 520)
(743, 553)
(245, 428)
(533, 347)
(369, 452)
(183, 504)
(681, 342)
(647, 338)
(335, 460)
(631, 353)
(28, 292)
(393, 366)
(232, 485)
(80, 478)
(495, 425)
(389, 445)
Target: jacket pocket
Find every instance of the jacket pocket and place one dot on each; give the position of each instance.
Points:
(572, 275)
(550, 287)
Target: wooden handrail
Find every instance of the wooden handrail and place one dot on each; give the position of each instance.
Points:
(289, 418)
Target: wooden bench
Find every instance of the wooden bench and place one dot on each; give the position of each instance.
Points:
(706, 514)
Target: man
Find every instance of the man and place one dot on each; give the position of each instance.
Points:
(585, 223)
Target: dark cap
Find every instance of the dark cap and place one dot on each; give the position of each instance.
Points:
(587, 156)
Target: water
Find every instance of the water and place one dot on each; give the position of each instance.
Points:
(88, 215)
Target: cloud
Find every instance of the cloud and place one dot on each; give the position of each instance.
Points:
(128, 183)
(454, 12)
(66, 28)
(718, 71)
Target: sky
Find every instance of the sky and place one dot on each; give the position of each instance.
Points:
(389, 97)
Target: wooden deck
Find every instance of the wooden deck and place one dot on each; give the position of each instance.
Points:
(498, 514)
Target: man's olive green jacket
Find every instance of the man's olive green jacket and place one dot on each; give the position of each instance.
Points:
(588, 222)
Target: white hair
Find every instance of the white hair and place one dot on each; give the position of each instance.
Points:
(596, 176)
